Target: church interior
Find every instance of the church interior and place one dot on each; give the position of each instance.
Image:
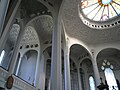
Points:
(59, 45)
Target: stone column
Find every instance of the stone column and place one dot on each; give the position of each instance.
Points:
(3, 10)
(56, 75)
(96, 72)
(67, 69)
(79, 80)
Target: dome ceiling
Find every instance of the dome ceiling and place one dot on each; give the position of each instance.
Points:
(75, 27)
(31, 7)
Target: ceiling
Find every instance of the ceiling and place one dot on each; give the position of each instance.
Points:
(44, 27)
(87, 65)
(32, 7)
(75, 28)
(73, 25)
(110, 54)
(76, 51)
(41, 23)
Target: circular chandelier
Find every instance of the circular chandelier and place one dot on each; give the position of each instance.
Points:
(100, 10)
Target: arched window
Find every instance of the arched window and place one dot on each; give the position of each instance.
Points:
(2, 56)
(110, 79)
(9, 46)
(109, 75)
(92, 83)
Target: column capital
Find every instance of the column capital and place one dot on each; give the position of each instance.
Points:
(94, 53)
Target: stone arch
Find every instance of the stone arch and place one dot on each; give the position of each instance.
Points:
(87, 70)
(73, 41)
(84, 59)
(77, 50)
(99, 48)
(107, 53)
(112, 56)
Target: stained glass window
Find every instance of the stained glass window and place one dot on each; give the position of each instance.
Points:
(110, 79)
(100, 10)
(107, 67)
(92, 83)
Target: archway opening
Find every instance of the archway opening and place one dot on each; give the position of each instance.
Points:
(87, 75)
(27, 66)
(109, 66)
(77, 52)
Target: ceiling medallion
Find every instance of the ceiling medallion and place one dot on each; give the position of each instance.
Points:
(105, 2)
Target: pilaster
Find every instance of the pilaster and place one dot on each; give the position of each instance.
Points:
(79, 80)
(67, 68)
(95, 68)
